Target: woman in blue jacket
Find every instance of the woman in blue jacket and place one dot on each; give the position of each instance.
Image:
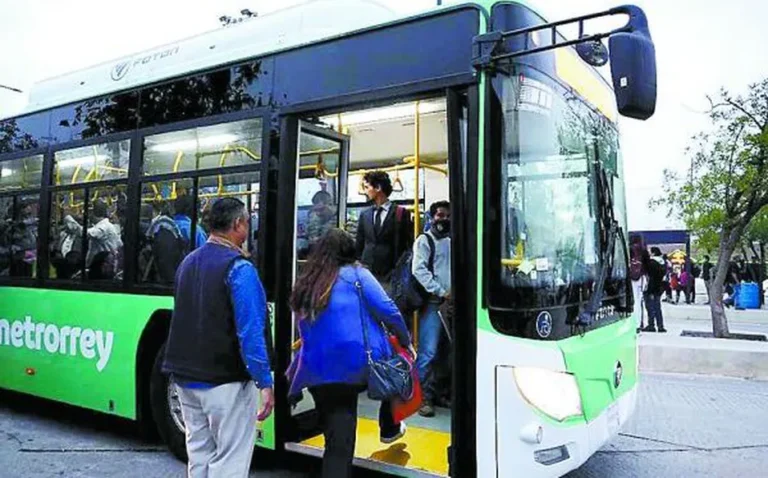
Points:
(332, 361)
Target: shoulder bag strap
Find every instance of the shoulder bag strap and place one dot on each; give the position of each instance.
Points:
(431, 263)
(398, 219)
(359, 287)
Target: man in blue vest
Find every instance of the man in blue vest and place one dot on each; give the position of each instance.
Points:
(216, 351)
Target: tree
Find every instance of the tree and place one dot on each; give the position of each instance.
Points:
(727, 184)
(756, 237)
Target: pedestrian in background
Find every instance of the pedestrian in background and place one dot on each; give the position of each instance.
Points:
(638, 273)
(656, 271)
(706, 274)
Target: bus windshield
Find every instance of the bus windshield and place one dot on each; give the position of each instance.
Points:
(552, 144)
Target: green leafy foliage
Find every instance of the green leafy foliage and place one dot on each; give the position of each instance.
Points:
(723, 198)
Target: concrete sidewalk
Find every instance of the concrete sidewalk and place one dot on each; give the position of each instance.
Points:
(701, 312)
(709, 356)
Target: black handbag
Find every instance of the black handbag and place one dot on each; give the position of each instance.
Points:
(388, 378)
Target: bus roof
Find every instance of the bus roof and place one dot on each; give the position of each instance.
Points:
(280, 30)
(284, 29)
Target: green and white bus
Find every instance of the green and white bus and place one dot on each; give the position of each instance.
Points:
(483, 104)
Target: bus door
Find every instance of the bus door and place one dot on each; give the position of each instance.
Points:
(321, 191)
(409, 141)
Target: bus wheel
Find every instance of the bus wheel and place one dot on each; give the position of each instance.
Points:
(166, 409)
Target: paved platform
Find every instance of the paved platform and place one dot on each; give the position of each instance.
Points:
(708, 356)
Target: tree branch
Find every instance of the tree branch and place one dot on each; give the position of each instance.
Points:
(750, 115)
(731, 206)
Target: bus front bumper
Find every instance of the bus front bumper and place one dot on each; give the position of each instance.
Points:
(561, 447)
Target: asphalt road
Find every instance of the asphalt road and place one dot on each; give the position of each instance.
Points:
(684, 426)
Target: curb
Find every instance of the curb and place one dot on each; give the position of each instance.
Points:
(739, 362)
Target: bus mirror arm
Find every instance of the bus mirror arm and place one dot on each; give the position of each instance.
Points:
(631, 51)
(489, 48)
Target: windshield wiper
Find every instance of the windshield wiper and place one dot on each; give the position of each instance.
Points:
(609, 228)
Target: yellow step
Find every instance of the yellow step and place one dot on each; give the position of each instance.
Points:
(420, 449)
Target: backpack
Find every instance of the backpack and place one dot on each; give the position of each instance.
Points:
(696, 270)
(635, 268)
(407, 292)
(163, 251)
(636, 263)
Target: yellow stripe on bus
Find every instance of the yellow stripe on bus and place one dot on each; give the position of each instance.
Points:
(574, 72)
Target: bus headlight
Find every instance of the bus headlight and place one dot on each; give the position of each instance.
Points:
(554, 393)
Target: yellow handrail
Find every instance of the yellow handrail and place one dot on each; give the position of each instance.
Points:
(315, 168)
(519, 256)
(223, 154)
(110, 168)
(411, 160)
(76, 173)
(177, 161)
(320, 151)
(206, 195)
(416, 212)
(93, 173)
(222, 162)
(231, 149)
(176, 164)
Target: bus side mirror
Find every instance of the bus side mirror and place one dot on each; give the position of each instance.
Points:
(633, 66)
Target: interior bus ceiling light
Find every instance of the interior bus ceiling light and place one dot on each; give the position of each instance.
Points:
(554, 393)
(81, 161)
(188, 144)
(383, 114)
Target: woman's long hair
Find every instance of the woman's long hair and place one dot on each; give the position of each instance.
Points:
(313, 287)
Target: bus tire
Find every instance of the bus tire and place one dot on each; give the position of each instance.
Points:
(169, 423)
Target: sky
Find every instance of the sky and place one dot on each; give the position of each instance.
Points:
(701, 45)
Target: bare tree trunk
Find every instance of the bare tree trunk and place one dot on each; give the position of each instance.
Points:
(763, 273)
(728, 242)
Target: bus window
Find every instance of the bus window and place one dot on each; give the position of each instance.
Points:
(66, 244)
(92, 163)
(105, 233)
(24, 236)
(164, 228)
(317, 193)
(18, 235)
(22, 173)
(244, 187)
(6, 219)
(221, 145)
(19, 215)
(97, 236)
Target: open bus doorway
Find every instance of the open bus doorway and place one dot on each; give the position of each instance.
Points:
(409, 142)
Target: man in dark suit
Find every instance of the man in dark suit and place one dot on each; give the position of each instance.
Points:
(383, 232)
